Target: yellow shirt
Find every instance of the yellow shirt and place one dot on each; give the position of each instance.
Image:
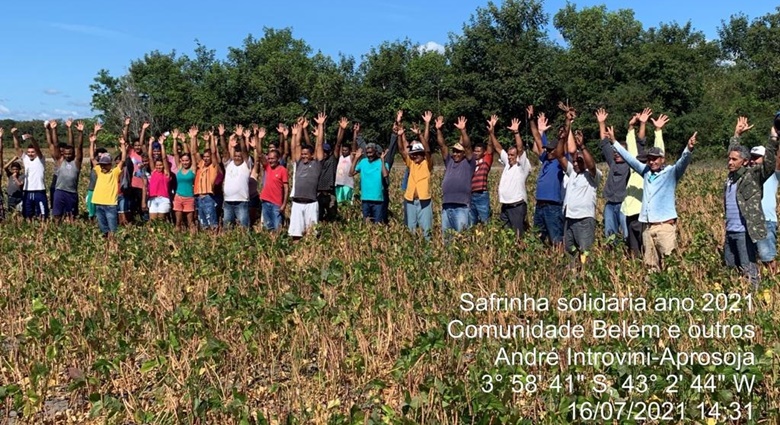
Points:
(632, 205)
(106, 186)
(419, 180)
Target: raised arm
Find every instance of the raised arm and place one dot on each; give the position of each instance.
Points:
(392, 147)
(532, 123)
(260, 158)
(163, 156)
(92, 140)
(80, 146)
(144, 126)
(194, 150)
(51, 138)
(356, 155)
(243, 140)
(123, 153)
(427, 117)
(604, 143)
(401, 140)
(440, 136)
(659, 134)
(515, 129)
(319, 153)
(643, 117)
(295, 149)
(631, 142)
(560, 154)
(742, 127)
(223, 144)
(571, 114)
(685, 159)
(37, 148)
(590, 163)
(343, 123)
(464, 136)
(68, 124)
(385, 168)
(768, 167)
(629, 158)
(18, 148)
(542, 126)
(491, 129)
(305, 131)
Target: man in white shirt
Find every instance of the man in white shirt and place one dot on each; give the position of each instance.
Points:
(236, 185)
(35, 204)
(579, 205)
(512, 192)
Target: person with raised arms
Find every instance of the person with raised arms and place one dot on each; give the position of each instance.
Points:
(456, 185)
(107, 188)
(417, 196)
(512, 193)
(206, 174)
(276, 186)
(158, 200)
(658, 214)
(614, 193)
(307, 161)
(345, 184)
(373, 171)
(236, 186)
(34, 202)
(67, 164)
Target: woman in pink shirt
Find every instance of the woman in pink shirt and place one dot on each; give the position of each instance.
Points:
(159, 200)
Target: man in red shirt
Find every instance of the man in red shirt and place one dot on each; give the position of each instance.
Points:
(275, 187)
(480, 196)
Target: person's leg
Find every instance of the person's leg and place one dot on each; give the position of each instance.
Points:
(100, 215)
(410, 215)
(229, 214)
(623, 224)
(365, 208)
(242, 213)
(311, 214)
(585, 235)
(460, 216)
(635, 241)
(479, 211)
(42, 205)
(57, 204)
(447, 223)
(518, 218)
(111, 219)
(539, 222)
(378, 212)
(651, 255)
(745, 256)
(295, 230)
(569, 242)
(504, 216)
(71, 208)
(322, 200)
(666, 240)
(425, 218)
(611, 225)
(553, 220)
(767, 247)
(729, 250)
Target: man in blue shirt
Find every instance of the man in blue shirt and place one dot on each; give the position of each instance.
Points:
(373, 170)
(658, 214)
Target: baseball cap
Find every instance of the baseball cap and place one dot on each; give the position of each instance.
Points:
(104, 159)
(417, 147)
(458, 147)
(326, 147)
(655, 151)
(758, 151)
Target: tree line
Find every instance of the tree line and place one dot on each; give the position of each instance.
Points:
(502, 61)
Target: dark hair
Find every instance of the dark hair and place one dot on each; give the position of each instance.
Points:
(310, 148)
(480, 145)
(63, 145)
(187, 155)
(99, 151)
(15, 164)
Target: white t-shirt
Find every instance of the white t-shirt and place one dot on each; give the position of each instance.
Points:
(33, 173)
(511, 187)
(580, 200)
(342, 172)
(236, 186)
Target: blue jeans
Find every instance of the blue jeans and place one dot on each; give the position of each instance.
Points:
(480, 208)
(419, 213)
(107, 218)
(454, 217)
(207, 211)
(548, 219)
(372, 210)
(235, 211)
(767, 247)
(272, 216)
(614, 220)
(740, 251)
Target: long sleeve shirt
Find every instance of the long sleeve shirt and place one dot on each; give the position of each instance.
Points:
(632, 204)
(658, 198)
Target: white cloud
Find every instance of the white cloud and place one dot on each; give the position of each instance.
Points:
(52, 92)
(78, 103)
(66, 113)
(4, 110)
(431, 46)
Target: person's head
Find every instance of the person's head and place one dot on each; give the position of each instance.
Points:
(179, 149)
(616, 156)
(307, 153)
(327, 149)
(511, 153)
(206, 156)
(655, 159)
(458, 153)
(273, 147)
(186, 161)
(273, 158)
(31, 152)
(578, 162)
(738, 158)
(156, 151)
(159, 166)
(757, 155)
(372, 151)
(145, 160)
(417, 152)
(479, 150)
(68, 153)
(550, 149)
(104, 161)
(15, 167)
(138, 145)
(346, 150)
(238, 158)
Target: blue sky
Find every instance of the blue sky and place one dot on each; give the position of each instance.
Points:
(52, 54)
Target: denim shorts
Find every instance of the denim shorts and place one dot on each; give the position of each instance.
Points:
(767, 247)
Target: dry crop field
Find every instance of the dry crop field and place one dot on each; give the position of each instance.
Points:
(347, 327)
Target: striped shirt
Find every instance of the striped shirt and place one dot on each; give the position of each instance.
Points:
(479, 183)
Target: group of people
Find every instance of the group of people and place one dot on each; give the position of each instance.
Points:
(233, 176)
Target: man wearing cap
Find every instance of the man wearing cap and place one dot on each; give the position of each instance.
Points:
(751, 219)
(417, 196)
(373, 171)
(480, 196)
(107, 188)
(512, 193)
(456, 185)
(326, 189)
(658, 214)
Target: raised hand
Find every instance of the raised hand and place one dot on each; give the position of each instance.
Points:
(239, 130)
(280, 128)
(320, 119)
(92, 138)
(175, 133)
(304, 123)
(356, 128)
(661, 121)
(246, 133)
(399, 115)
(529, 110)
(315, 131)
(633, 120)
(742, 126)
(69, 122)
(646, 113)
(611, 133)
(514, 127)
(127, 121)
(255, 127)
(145, 125)
(252, 142)
(491, 124)
(773, 132)
(343, 123)
(415, 129)
(53, 124)
(542, 123)
(601, 115)
(427, 116)
(233, 140)
(439, 122)
(13, 130)
(579, 138)
(1, 134)
(221, 129)
(358, 153)
(400, 130)
(296, 129)
(98, 127)
(193, 132)
(261, 132)
(692, 141)
(461, 123)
